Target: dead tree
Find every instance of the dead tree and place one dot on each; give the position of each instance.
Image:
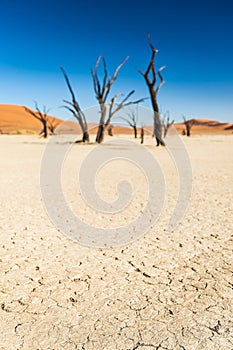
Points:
(132, 121)
(76, 110)
(154, 92)
(102, 90)
(188, 125)
(42, 117)
(52, 125)
(109, 129)
(167, 124)
(142, 134)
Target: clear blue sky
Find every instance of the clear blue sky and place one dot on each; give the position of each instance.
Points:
(194, 38)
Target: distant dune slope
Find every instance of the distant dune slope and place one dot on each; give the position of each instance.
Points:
(206, 126)
(15, 120)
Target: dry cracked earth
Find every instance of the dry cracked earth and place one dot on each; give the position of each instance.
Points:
(163, 291)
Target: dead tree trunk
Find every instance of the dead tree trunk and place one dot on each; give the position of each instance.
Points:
(101, 126)
(42, 117)
(167, 124)
(135, 132)
(153, 93)
(76, 110)
(142, 134)
(188, 125)
(108, 109)
(109, 128)
(132, 121)
(45, 129)
(52, 125)
(100, 133)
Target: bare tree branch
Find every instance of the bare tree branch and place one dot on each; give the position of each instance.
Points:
(121, 105)
(162, 81)
(77, 112)
(167, 123)
(132, 121)
(115, 74)
(151, 83)
(188, 125)
(32, 113)
(68, 84)
(42, 117)
(102, 91)
(52, 125)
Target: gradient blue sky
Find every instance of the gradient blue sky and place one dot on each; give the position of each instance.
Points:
(194, 38)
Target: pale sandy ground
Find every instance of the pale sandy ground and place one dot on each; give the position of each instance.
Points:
(161, 292)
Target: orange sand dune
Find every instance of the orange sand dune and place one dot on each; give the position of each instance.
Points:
(205, 127)
(72, 127)
(15, 120)
(200, 127)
